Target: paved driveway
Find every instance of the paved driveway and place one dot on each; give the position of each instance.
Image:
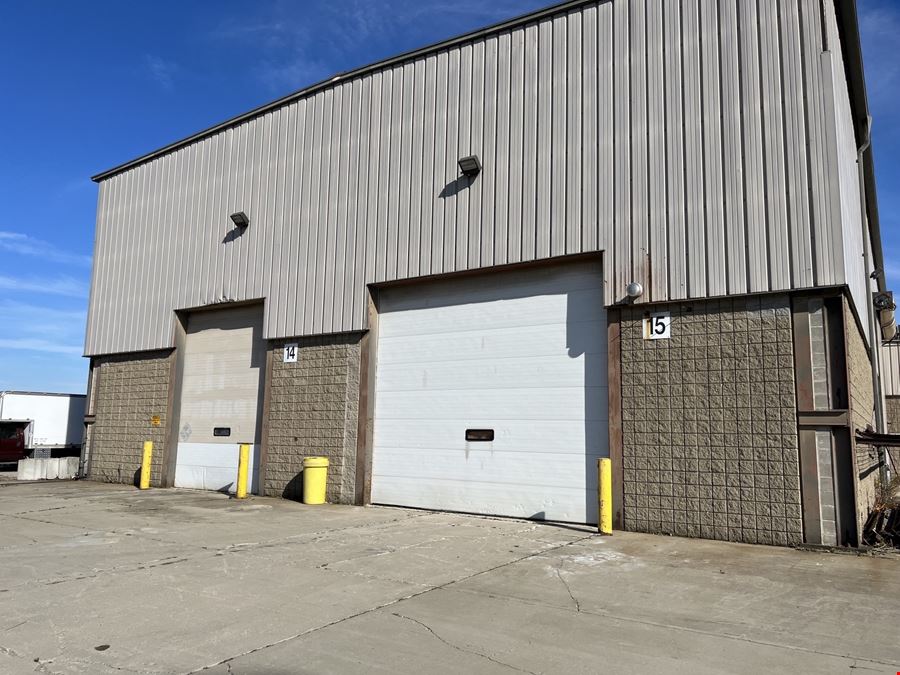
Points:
(101, 579)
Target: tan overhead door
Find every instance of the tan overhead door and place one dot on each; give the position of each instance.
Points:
(221, 397)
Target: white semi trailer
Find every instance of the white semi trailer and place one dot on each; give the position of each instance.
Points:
(47, 424)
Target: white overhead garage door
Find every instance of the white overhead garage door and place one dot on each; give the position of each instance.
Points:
(518, 355)
(221, 397)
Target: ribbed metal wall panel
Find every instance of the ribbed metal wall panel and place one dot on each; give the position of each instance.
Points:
(890, 368)
(856, 276)
(690, 141)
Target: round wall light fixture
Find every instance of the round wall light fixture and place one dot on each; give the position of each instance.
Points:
(634, 290)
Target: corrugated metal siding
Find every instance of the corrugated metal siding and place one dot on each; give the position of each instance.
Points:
(687, 140)
(890, 368)
(846, 169)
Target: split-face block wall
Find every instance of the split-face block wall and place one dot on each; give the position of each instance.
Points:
(739, 427)
(311, 407)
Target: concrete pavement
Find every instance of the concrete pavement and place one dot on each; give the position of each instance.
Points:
(100, 579)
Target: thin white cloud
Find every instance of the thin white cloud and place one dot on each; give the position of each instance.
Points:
(284, 49)
(161, 70)
(879, 25)
(291, 47)
(891, 269)
(263, 33)
(25, 310)
(39, 345)
(30, 320)
(67, 286)
(75, 185)
(362, 19)
(22, 244)
(292, 73)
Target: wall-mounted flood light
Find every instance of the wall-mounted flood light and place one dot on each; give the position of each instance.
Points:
(470, 166)
(240, 219)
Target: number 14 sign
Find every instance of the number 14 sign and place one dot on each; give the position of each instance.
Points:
(658, 326)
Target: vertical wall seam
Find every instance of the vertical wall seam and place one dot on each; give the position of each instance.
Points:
(726, 269)
(767, 222)
(684, 205)
(702, 137)
(792, 272)
(805, 85)
(740, 90)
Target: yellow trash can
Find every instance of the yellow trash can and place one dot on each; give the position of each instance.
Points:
(315, 470)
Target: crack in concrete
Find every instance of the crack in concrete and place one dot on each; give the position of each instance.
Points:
(93, 665)
(26, 513)
(688, 629)
(463, 649)
(376, 554)
(294, 540)
(307, 538)
(390, 603)
(568, 589)
(50, 522)
(371, 577)
(134, 567)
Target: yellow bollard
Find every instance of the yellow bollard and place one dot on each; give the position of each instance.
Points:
(145, 465)
(315, 473)
(243, 467)
(604, 490)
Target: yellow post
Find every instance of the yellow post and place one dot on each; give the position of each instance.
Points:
(315, 479)
(604, 489)
(243, 464)
(145, 465)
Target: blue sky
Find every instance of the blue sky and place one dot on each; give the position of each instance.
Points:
(89, 85)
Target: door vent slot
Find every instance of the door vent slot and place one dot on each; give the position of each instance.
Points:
(222, 431)
(479, 434)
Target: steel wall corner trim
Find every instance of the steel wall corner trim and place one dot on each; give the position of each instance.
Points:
(616, 440)
(366, 411)
(174, 411)
(266, 407)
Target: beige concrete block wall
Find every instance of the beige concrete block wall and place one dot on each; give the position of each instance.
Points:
(313, 408)
(862, 411)
(892, 414)
(129, 389)
(710, 443)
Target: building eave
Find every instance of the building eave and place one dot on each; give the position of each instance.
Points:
(340, 78)
(848, 24)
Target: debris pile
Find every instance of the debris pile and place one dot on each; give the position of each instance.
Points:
(883, 528)
(883, 525)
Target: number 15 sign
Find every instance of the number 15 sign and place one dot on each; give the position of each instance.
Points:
(658, 326)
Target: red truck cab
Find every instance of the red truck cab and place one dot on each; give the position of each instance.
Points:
(12, 442)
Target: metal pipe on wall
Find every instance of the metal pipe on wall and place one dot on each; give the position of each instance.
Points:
(871, 318)
(87, 435)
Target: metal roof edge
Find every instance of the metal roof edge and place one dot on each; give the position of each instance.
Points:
(848, 24)
(536, 15)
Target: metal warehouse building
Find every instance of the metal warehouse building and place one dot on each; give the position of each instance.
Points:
(626, 228)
